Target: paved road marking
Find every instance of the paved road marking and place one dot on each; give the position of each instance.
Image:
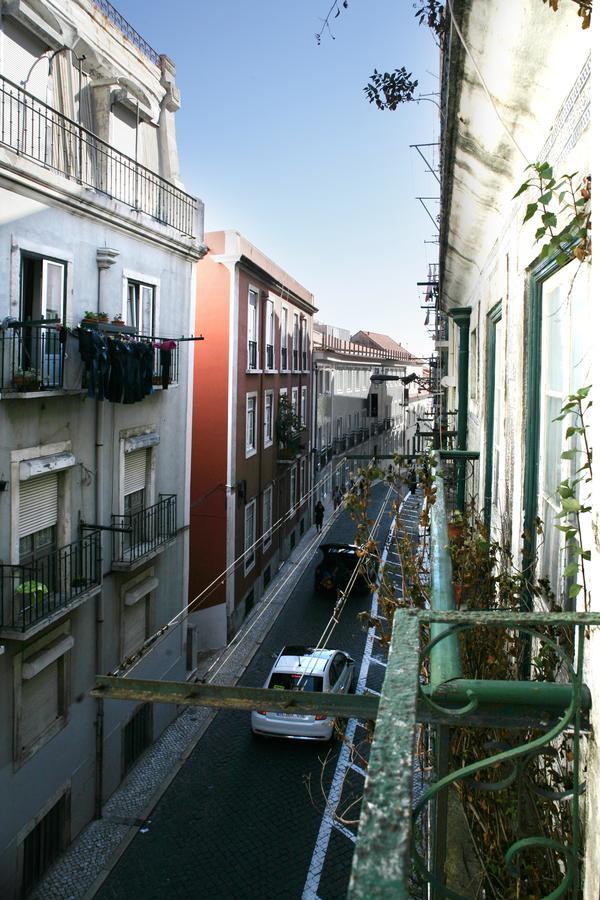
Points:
(328, 822)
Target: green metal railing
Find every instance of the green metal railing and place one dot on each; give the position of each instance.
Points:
(425, 685)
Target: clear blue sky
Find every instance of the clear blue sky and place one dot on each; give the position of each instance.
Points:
(277, 138)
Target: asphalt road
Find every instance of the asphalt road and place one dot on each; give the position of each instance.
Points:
(241, 818)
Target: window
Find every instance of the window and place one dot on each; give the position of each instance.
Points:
(295, 400)
(135, 616)
(559, 347)
(44, 843)
(293, 497)
(250, 424)
(302, 479)
(267, 522)
(284, 338)
(43, 296)
(137, 735)
(135, 500)
(249, 536)
(320, 381)
(270, 335)
(327, 384)
(303, 391)
(141, 306)
(495, 411)
(268, 435)
(295, 342)
(41, 691)
(304, 345)
(473, 371)
(252, 329)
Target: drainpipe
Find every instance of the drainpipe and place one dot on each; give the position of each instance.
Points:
(462, 318)
(105, 258)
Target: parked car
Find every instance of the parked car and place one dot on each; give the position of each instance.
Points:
(304, 669)
(335, 569)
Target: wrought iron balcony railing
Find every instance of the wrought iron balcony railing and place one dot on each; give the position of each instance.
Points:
(252, 354)
(32, 359)
(524, 746)
(339, 445)
(144, 532)
(295, 360)
(304, 360)
(270, 356)
(284, 358)
(38, 132)
(33, 593)
(128, 30)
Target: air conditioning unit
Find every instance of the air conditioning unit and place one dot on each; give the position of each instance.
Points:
(191, 648)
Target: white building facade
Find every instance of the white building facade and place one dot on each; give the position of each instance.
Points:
(94, 453)
(520, 317)
(359, 407)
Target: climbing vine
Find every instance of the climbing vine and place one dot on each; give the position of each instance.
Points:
(566, 200)
(573, 506)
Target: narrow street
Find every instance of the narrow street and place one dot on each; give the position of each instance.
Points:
(244, 815)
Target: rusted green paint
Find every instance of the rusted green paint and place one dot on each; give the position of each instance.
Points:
(381, 863)
(184, 694)
(445, 656)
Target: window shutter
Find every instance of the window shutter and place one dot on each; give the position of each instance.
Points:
(21, 53)
(39, 704)
(135, 471)
(38, 504)
(134, 627)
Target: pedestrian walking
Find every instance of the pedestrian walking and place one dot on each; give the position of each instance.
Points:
(319, 513)
(412, 479)
(337, 497)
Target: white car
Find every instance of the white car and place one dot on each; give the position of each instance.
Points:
(303, 668)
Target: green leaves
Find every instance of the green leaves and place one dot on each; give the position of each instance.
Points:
(530, 212)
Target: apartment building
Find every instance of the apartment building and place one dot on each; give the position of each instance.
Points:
(360, 401)
(251, 431)
(519, 340)
(94, 447)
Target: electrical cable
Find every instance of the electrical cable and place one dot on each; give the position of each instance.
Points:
(483, 83)
(155, 639)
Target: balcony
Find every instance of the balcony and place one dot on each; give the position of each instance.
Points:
(252, 355)
(339, 445)
(38, 132)
(500, 729)
(34, 595)
(144, 533)
(32, 359)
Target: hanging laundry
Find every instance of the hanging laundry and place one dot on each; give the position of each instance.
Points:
(93, 348)
(165, 348)
(73, 367)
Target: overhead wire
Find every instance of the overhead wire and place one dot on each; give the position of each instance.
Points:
(150, 644)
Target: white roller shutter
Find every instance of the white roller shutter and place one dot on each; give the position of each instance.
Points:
(134, 627)
(20, 53)
(135, 472)
(38, 504)
(123, 130)
(39, 704)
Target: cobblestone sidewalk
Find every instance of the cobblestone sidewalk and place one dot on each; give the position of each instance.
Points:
(85, 865)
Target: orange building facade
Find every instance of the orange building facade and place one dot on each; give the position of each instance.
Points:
(249, 505)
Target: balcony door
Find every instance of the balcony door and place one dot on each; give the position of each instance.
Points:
(43, 297)
(559, 353)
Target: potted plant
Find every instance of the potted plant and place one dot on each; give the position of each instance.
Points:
(288, 429)
(33, 593)
(26, 379)
(456, 525)
(89, 318)
(117, 319)
(103, 317)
